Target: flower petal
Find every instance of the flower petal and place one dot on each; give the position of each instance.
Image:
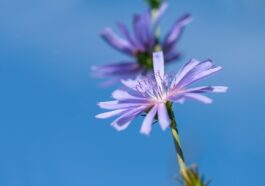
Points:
(175, 32)
(148, 121)
(126, 33)
(196, 77)
(184, 71)
(130, 83)
(199, 97)
(203, 89)
(110, 114)
(116, 42)
(158, 64)
(116, 69)
(124, 120)
(162, 9)
(171, 56)
(163, 117)
(219, 89)
(116, 105)
(123, 95)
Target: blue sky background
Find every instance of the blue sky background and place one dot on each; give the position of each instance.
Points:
(48, 133)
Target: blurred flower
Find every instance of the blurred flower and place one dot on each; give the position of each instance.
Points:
(141, 44)
(152, 93)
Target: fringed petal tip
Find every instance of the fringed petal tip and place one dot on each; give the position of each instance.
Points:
(110, 114)
(163, 117)
(108, 104)
(94, 68)
(101, 116)
(146, 133)
(130, 83)
(146, 127)
(105, 31)
(199, 97)
(194, 60)
(98, 116)
(220, 89)
(120, 127)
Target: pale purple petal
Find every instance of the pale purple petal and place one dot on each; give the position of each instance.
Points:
(189, 73)
(196, 77)
(200, 67)
(158, 65)
(148, 121)
(184, 71)
(116, 105)
(204, 89)
(110, 113)
(130, 83)
(118, 43)
(123, 95)
(207, 73)
(124, 120)
(163, 117)
(219, 89)
(199, 97)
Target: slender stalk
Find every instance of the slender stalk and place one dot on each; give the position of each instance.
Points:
(176, 139)
(190, 176)
(177, 143)
(154, 11)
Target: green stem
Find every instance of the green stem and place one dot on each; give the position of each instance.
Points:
(189, 176)
(176, 138)
(157, 31)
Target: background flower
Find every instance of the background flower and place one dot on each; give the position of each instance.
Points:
(141, 43)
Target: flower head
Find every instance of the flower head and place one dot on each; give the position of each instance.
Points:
(152, 93)
(141, 44)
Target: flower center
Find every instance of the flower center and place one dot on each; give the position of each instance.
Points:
(148, 87)
(145, 60)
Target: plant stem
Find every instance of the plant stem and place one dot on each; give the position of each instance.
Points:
(157, 31)
(176, 138)
(190, 177)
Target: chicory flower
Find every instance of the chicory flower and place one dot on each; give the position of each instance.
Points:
(150, 94)
(141, 44)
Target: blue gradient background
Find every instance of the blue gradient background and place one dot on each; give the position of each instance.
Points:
(48, 133)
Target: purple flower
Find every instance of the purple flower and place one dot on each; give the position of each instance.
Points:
(151, 94)
(141, 44)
